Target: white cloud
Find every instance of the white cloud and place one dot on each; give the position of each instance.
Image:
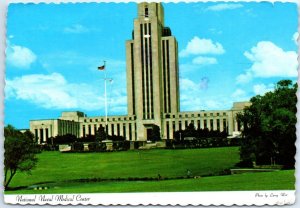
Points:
(53, 91)
(224, 6)
(238, 93)
(244, 78)
(198, 46)
(295, 37)
(19, 56)
(77, 28)
(201, 60)
(261, 89)
(269, 60)
(187, 84)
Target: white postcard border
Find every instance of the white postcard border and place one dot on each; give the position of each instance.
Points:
(285, 197)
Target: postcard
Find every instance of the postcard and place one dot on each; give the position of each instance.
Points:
(150, 103)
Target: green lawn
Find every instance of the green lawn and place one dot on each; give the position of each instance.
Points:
(279, 180)
(58, 167)
(63, 168)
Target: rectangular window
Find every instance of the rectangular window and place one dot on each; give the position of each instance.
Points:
(124, 130)
(89, 129)
(130, 132)
(224, 125)
(168, 78)
(218, 124)
(112, 129)
(173, 127)
(47, 134)
(135, 130)
(95, 129)
(132, 78)
(36, 134)
(186, 124)
(118, 129)
(147, 98)
(164, 75)
(42, 135)
(211, 124)
(151, 76)
(142, 68)
(168, 131)
(198, 124)
(83, 130)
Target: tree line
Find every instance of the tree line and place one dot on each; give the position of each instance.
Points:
(201, 138)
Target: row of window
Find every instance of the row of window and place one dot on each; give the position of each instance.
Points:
(166, 116)
(205, 123)
(112, 127)
(198, 125)
(109, 119)
(41, 136)
(195, 115)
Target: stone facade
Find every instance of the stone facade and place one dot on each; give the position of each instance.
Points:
(152, 91)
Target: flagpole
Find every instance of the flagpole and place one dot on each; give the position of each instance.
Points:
(105, 102)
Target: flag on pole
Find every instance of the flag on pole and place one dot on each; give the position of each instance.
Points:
(101, 67)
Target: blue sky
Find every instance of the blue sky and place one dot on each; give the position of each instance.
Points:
(227, 52)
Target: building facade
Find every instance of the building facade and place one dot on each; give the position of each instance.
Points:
(152, 91)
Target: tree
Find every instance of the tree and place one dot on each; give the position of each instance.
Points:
(190, 131)
(100, 134)
(269, 131)
(20, 153)
(62, 139)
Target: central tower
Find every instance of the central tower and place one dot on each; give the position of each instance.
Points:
(152, 70)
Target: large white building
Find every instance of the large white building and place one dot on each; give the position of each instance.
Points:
(152, 91)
